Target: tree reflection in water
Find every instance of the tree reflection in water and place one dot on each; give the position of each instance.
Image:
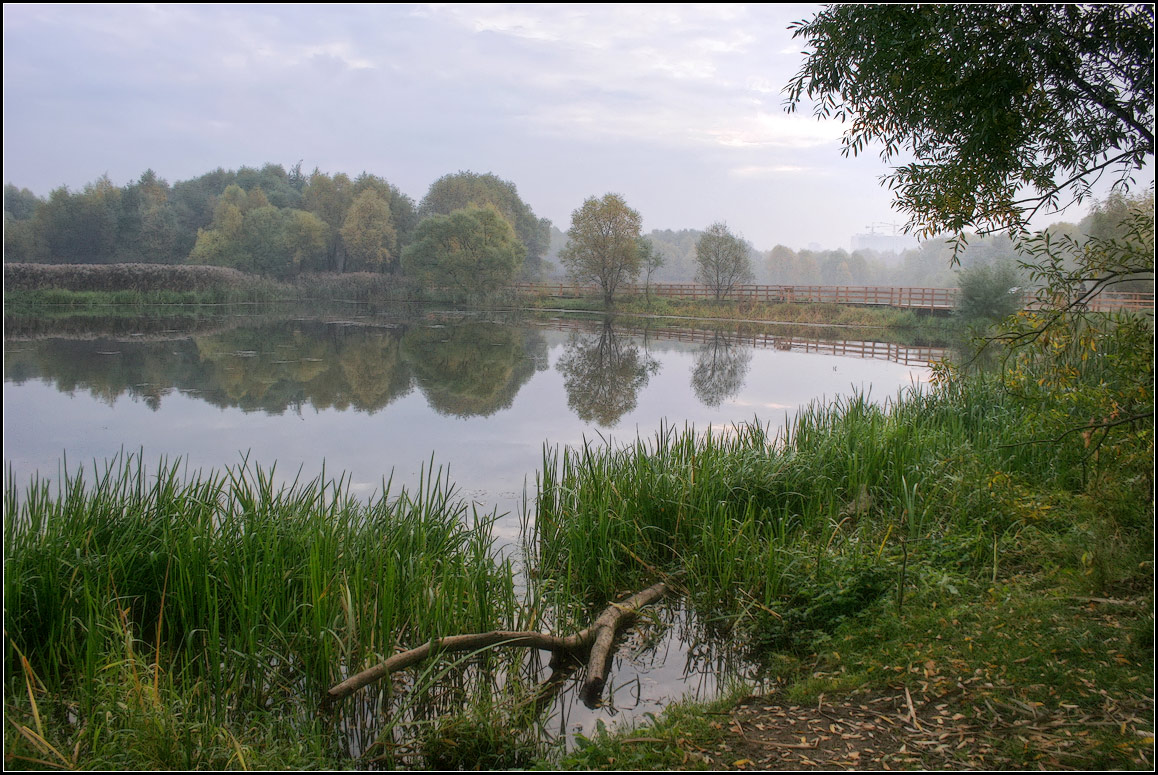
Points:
(721, 367)
(474, 368)
(603, 374)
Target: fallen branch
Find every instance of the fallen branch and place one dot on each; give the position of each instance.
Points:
(595, 642)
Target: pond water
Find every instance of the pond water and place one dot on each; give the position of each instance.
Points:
(371, 394)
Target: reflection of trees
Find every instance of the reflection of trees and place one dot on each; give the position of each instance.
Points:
(273, 368)
(603, 374)
(268, 367)
(473, 368)
(721, 366)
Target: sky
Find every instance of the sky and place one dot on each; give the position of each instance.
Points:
(678, 108)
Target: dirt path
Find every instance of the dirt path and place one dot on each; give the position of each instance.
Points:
(958, 729)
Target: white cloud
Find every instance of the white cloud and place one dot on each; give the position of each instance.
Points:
(772, 171)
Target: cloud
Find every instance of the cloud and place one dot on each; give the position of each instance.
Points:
(773, 171)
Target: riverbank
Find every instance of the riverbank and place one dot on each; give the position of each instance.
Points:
(921, 589)
(986, 604)
(958, 579)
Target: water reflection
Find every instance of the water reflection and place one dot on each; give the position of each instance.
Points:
(721, 366)
(603, 373)
(474, 368)
(390, 392)
(464, 368)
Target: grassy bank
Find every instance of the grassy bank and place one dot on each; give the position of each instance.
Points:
(923, 551)
(49, 289)
(709, 309)
(155, 620)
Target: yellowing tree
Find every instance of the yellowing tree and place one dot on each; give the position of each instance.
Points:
(722, 260)
(603, 244)
(368, 233)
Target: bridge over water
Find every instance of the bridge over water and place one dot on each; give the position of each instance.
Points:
(931, 299)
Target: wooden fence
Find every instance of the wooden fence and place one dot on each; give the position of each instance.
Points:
(853, 348)
(933, 299)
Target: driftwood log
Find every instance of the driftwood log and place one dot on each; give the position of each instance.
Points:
(594, 643)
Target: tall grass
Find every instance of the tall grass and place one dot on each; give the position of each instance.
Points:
(228, 594)
(763, 523)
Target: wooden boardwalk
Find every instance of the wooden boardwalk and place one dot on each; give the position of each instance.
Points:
(854, 348)
(931, 299)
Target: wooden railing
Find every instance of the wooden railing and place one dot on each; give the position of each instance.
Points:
(882, 351)
(934, 299)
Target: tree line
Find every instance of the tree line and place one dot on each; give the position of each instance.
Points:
(472, 234)
(471, 231)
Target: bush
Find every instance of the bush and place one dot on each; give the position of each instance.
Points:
(989, 292)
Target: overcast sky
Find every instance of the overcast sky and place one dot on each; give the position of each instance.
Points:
(676, 107)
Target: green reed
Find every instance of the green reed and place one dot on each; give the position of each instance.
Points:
(233, 590)
(754, 516)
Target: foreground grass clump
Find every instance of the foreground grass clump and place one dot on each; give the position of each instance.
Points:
(952, 543)
(840, 494)
(157, 621)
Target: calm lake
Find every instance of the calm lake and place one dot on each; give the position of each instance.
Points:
(370, 394)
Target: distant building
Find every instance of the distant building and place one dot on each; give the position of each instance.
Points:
(884, 243)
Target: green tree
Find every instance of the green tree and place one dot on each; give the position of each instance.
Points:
(368, 233)
(403, 213)
(306, 241)
(23, 235)
(329, 198)
(722, 260)
(603, 244)
(1005, 109)
(464, 189)
(1008, 109)
(473, 250)
(989, 292)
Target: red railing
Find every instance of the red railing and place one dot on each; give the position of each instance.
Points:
(882, 296)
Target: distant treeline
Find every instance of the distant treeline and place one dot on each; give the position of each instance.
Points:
(928, 266)
(280, 223)
(274, 222)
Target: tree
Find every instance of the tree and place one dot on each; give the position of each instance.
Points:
(330, 199)
(1005, 109)
(722, 260)
(650, 259)
(368, 233)
(402, 211)
(989, 292)
(463, 189)
(474, 250)
(603, 244)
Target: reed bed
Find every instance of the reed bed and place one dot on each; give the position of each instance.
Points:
(767, 526)
(222, 596)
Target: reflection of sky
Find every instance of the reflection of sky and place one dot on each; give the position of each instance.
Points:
(489, 458)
